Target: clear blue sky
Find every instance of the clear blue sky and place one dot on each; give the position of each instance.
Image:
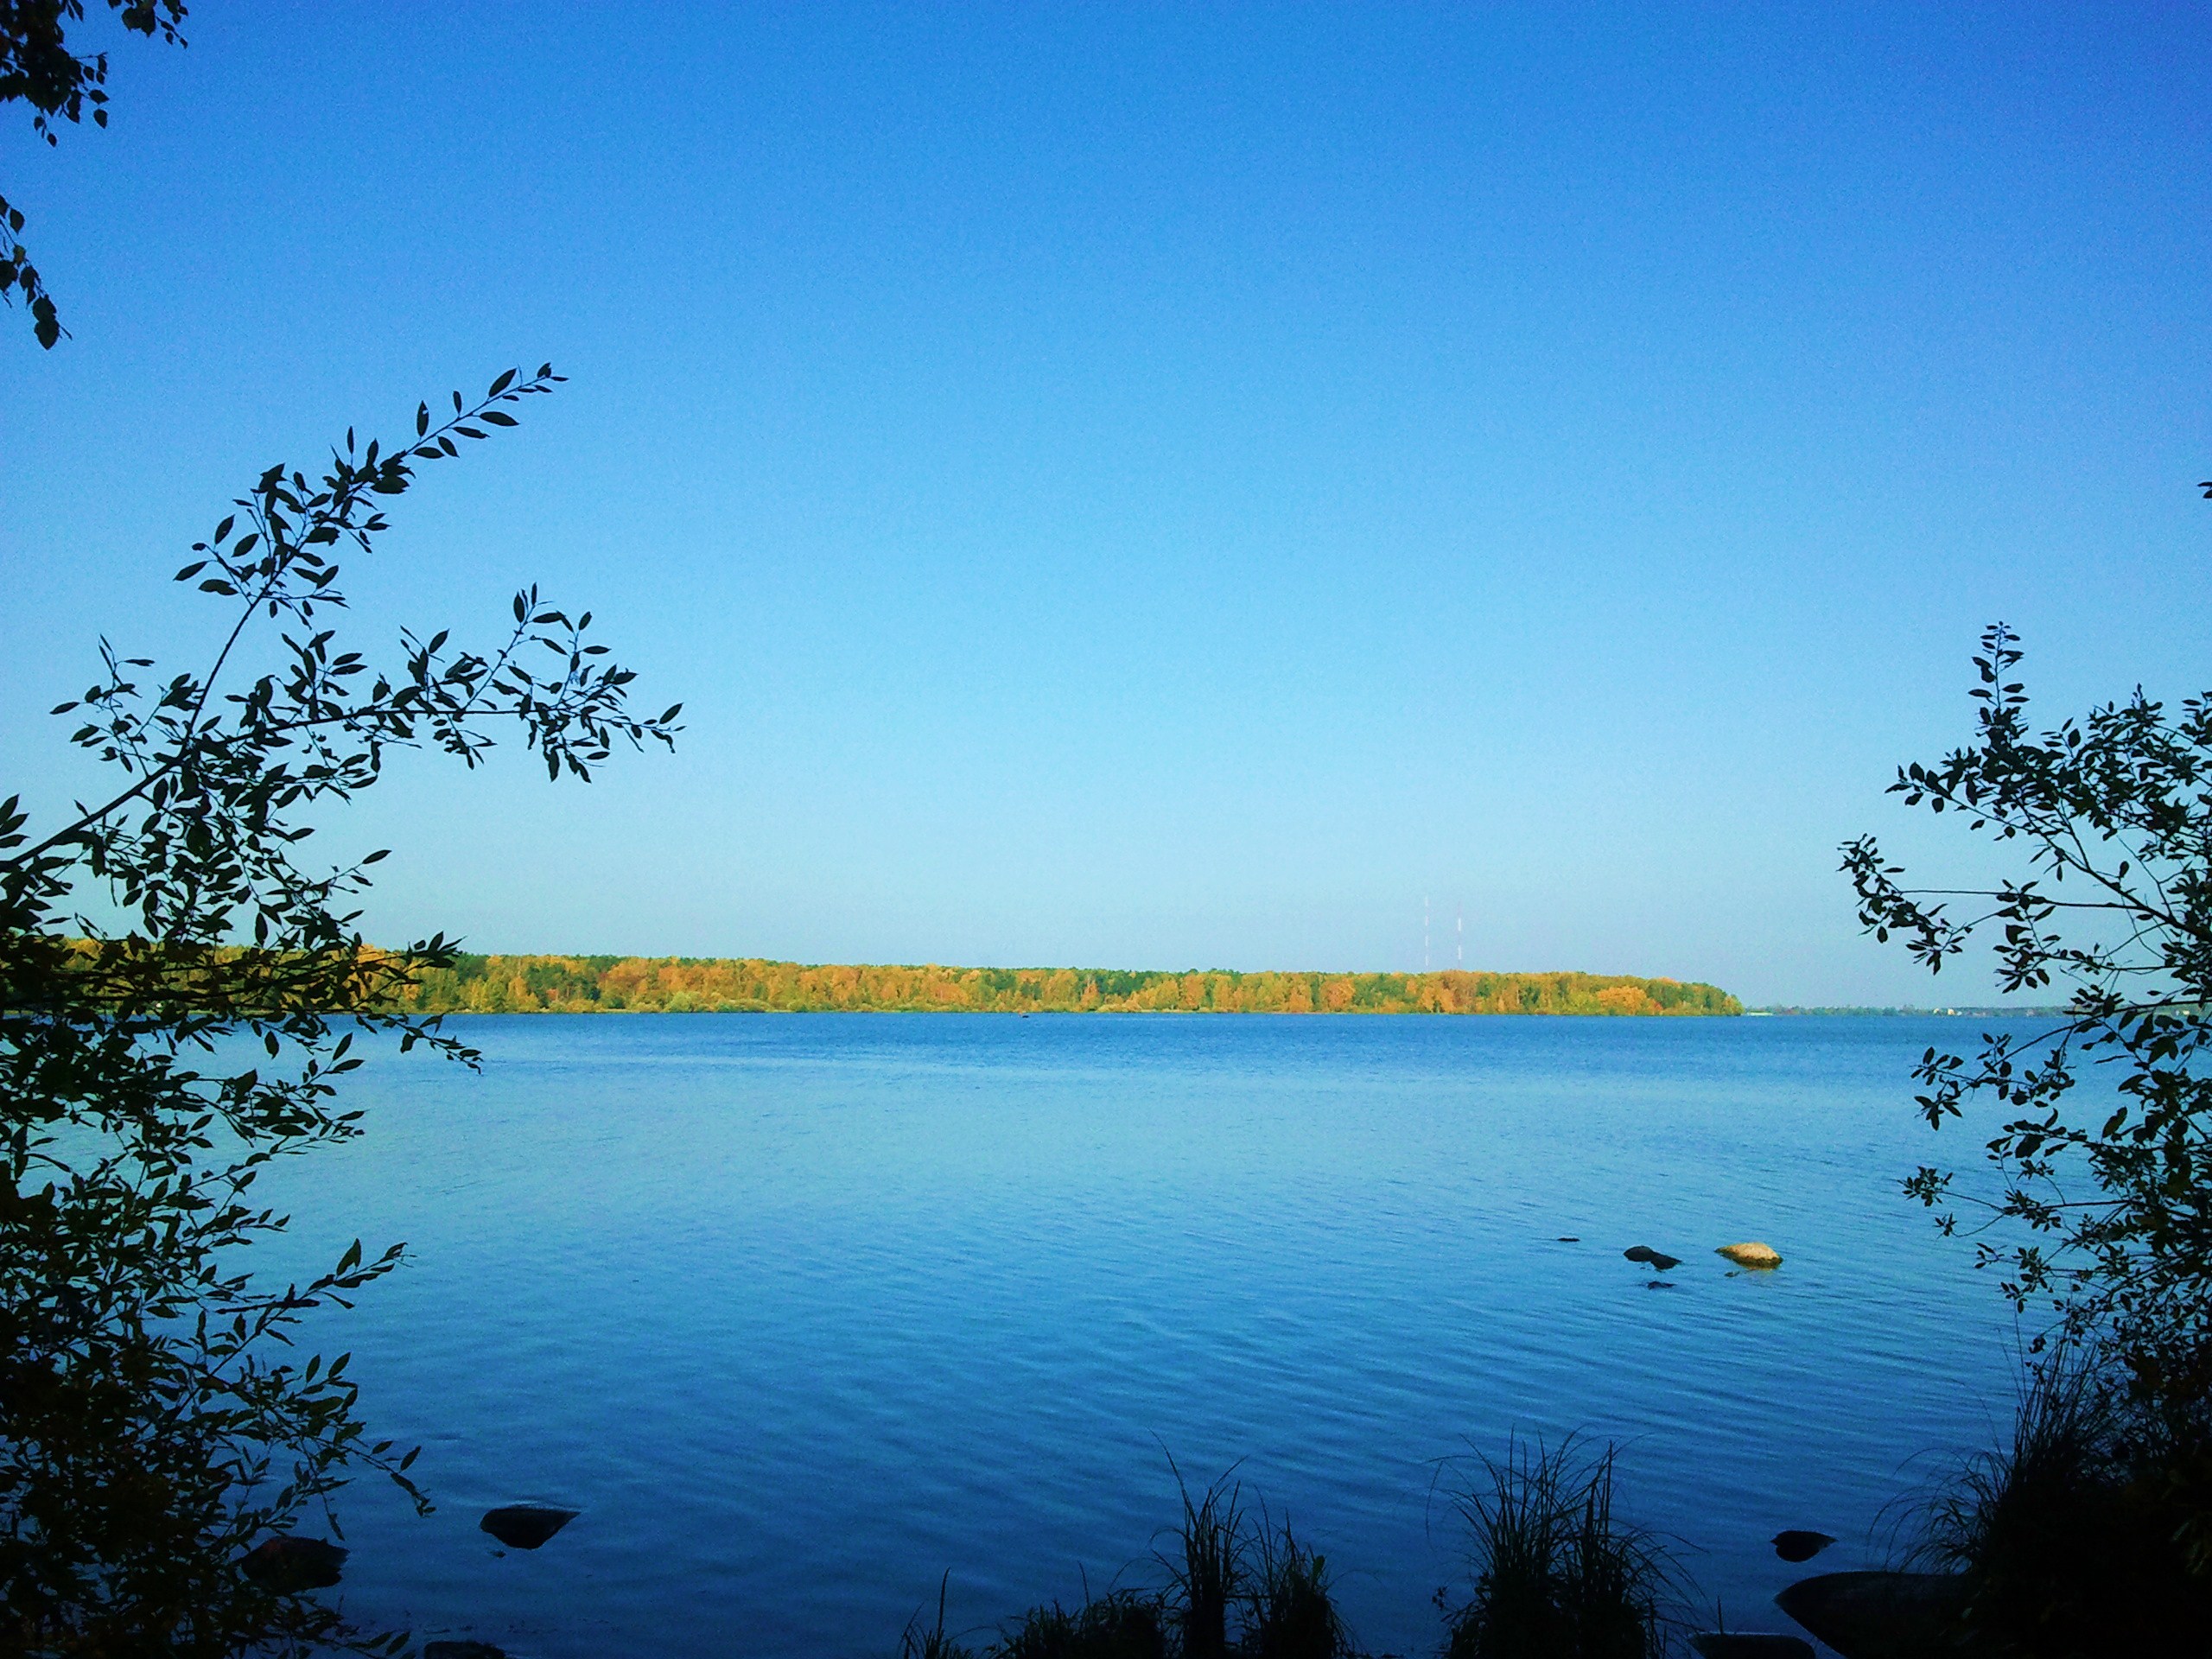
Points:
(1164, 488)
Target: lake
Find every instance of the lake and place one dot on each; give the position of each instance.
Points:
(805, 1312)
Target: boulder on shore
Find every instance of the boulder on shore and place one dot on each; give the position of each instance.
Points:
(1880, 1614)
(1751, 1255)
(1744, 1645)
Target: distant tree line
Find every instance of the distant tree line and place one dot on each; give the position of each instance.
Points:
(486, 984)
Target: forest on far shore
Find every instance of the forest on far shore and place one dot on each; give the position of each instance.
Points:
(483, 984)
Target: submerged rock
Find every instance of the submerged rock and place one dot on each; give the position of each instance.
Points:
(1879, 1615)
(462, 1650)
(1795, 1545)
(1751, 1254)
(288, 1564)
(1730, 1644)
(526, 1526)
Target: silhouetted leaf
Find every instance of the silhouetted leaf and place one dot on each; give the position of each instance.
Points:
(230, 939)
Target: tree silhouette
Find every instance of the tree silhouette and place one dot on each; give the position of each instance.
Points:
(37, 66)
(2102, 1201)
(155, 1425)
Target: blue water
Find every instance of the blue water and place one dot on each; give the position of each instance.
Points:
(804, 1312)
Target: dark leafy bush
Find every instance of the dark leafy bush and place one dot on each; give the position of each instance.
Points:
(2073, 1537)
(156, 1057)
(2097, 1200)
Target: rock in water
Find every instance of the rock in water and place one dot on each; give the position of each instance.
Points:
(1872, 1615)
(1796, 1546)
(1652, 1258)
(526, 1526)
(1751, 1255)
(289, 1564)
(462, 1650)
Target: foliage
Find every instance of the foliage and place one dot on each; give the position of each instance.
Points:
(153, 1426)
(1556, 1575)
(37, 65)
(669, 984)
(2103, 1197)
(2073, 1539)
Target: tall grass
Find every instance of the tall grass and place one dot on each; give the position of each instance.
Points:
(916, 1642)
(1290, 1608)
(1557, 1574)
(1206, 1575)
(2070, 1536)
(1121, 1624)
(1222, 1566)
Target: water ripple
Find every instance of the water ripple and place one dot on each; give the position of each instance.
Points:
(804, 1312)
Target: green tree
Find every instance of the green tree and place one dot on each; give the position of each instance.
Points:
(155, 1423)
(37, 66)
(2101, 1209)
